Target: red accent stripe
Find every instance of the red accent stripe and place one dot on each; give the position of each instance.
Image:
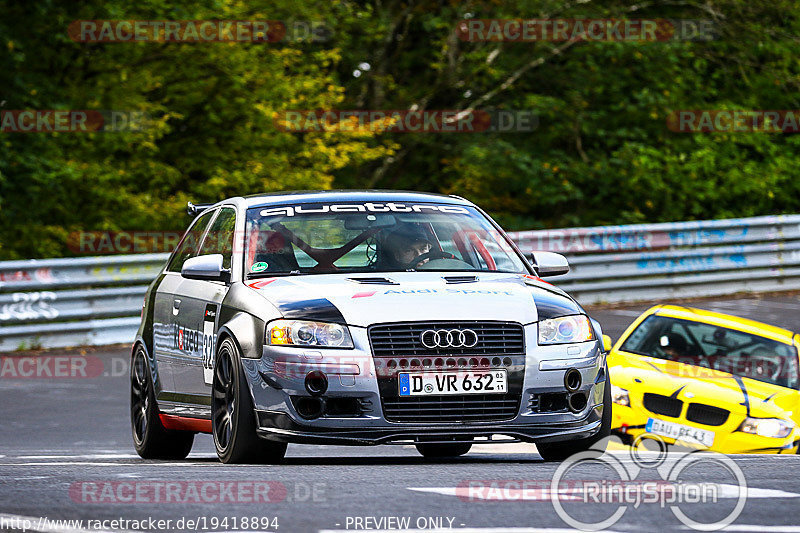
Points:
(536, 278)
(364, 294)
(185, 424)
(260, 284)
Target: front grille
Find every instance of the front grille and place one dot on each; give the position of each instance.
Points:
(494, 338)
(662, 405)
(706, 414)
(456, 408)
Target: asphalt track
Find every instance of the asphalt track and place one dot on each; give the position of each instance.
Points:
(66, 453)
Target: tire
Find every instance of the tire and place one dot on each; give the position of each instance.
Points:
(150, 438)
(437, 451)
(233, 419)
(559, 451)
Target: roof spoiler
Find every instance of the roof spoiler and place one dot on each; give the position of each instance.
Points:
(194, 209)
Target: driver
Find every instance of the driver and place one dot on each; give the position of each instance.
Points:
(674, 345)
(405, 243)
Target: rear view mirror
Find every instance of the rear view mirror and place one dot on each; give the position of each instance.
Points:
(549, 263)
(362, 222)
(206, 267)
(607, 343)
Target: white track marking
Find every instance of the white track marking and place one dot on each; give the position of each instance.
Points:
(87, 456)
(517, 447)
(759, 527)
(544, 494)
(625, 312)
(471, 530)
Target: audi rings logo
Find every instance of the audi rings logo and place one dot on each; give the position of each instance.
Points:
(449, 338)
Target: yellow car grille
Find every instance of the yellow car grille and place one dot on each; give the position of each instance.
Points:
(698, 413)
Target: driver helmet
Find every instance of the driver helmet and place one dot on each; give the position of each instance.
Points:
(405, 242)
(674, 344)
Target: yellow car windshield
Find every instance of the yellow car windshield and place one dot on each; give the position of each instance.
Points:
(710, 346)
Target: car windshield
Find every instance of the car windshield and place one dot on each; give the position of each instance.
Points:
(718, 348)
(374, 237)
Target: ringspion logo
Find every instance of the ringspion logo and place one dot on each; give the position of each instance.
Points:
(621, 488)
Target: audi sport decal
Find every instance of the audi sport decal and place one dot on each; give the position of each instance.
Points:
(366, 207)
(451, 291)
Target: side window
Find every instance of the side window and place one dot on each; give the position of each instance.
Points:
(190, 243)
(219, 239)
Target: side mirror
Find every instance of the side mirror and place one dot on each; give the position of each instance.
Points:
(549, 263)
(607, 343)
(206, 267)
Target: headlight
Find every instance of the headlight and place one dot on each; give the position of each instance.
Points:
(565, 329)
(767, 427)
(620, 396)
(307, 333)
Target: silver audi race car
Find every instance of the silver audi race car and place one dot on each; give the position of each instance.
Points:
(372, 317)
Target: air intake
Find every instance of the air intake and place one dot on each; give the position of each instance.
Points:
(460, 279)
(374, 281)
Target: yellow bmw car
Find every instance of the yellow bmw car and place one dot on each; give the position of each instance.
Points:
(707, 380)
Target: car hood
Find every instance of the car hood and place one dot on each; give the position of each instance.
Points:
(363, 300)
(741, 395)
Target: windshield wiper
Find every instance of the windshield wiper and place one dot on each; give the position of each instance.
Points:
(256, 275)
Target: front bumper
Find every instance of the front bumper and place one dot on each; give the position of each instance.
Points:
(629, 423)
(280, 427)
(279, 376)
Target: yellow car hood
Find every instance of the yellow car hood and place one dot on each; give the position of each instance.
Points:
(740, 395)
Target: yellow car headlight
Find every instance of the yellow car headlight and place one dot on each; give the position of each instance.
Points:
(767, 427)
(620, 396)
(565, 330)
(308, 333)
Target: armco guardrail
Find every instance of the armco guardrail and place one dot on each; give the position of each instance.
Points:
(73, 302)
(674, 260)
(97, 300)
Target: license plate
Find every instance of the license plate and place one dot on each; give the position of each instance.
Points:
(438, 383)
(680, 432)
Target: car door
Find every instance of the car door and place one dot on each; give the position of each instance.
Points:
(198, 304)
(165, 337)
